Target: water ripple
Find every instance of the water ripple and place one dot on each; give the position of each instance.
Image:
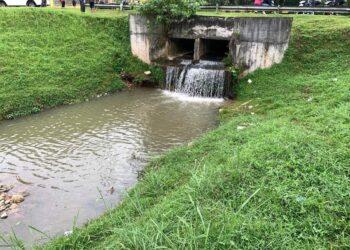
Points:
(71, 153)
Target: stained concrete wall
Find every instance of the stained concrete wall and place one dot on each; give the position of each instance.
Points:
(255, 42)
(148, 39)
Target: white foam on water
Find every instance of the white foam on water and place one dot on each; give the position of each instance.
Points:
(186, 98)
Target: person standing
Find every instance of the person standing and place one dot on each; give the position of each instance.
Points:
(82, 6)
(74, 3)
(266, 3)
(92, 5)
(63, 3)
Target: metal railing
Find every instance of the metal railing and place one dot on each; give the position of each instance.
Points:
(276, 9)
(112, 6)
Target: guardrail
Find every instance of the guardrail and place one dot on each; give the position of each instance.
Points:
(277, 9)
(112, 6)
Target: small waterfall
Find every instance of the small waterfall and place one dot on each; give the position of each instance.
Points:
(206, 78)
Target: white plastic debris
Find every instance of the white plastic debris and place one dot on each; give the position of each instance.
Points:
(240, 127)
(67, 233)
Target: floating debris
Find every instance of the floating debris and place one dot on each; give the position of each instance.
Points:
(111, 190)
(24, 193)
(241, 127)
(244, 126)
(17, 198)
(67, 233)
(9, 202)
(5, 189)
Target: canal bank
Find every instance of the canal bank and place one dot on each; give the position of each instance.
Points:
(52, 57)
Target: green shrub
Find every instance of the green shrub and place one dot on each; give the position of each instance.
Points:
(169, 10)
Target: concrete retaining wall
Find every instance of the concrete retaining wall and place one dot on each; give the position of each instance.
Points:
(255, 42)
(148, 39)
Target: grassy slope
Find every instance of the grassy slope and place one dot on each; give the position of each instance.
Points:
(50, 57)
(280, 183)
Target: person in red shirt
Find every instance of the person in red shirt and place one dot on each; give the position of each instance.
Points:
(63, 3)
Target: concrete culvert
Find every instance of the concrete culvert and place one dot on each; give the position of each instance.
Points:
(179, 47)
(213, 49)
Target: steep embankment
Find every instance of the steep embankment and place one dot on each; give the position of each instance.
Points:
(275, 175)
(49, 58)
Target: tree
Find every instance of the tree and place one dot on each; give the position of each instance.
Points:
(169, 10)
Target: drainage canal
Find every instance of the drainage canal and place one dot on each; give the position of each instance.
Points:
(179, 47)
(66, 155)
(214, 49)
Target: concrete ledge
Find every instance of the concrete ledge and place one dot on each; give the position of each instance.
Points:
(257, 29)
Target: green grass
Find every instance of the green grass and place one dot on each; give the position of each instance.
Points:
(274, 175)
(98, 13)
(53, 57)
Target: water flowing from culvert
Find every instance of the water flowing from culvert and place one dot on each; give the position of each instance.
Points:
(68, 155)
(202, 79)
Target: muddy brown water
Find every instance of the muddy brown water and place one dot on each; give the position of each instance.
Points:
(71, 156)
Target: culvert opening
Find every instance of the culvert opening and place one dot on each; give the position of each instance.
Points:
(214, 49)
(179, 47)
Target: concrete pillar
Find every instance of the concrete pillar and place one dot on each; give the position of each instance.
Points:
(199, 49)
